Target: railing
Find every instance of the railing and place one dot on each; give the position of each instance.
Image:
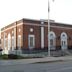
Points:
(38, 52)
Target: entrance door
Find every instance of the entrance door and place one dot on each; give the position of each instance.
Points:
(64, 41)
(52, 41)
(64, 45)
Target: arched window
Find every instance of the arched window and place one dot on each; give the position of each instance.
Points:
(13, 42)
(52, 40)
(9, 41)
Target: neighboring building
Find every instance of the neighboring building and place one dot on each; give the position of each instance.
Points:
(28, 35)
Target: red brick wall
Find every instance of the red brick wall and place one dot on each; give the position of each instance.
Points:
(10, 31)
(25, 31)
(58, 32)
(36, 32)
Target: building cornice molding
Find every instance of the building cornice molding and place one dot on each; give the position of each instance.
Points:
(34, 24)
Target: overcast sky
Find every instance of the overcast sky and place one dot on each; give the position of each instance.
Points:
(12, 10)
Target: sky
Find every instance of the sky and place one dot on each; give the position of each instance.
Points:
(13, 10)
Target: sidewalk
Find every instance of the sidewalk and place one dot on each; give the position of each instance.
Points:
(35, 60)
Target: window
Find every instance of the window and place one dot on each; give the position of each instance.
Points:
(19, 29)
(63, 35)
(12, 33)
(19, 41)
(5, 42)
(9, 41)
(51, 42)
(12, 43)
(31, 41)
(9, 44)
(2, 43)
(51, 35)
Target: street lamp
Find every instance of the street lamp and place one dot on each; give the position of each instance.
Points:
(49, 28)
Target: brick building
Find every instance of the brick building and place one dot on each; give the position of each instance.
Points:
(31, 35)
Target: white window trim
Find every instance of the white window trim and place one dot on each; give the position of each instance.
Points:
(33, 41)
(54, 40)
(13, 44)
(19, 36)
(5, 42)
(9, 40)
(63, 38)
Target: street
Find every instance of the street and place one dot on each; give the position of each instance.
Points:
(38, 67)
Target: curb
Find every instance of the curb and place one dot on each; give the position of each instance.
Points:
(49, 61)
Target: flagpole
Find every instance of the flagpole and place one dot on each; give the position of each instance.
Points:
(49, 52)
(48, 30)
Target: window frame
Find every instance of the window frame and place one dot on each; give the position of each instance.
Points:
(19, 42)
(31, 47)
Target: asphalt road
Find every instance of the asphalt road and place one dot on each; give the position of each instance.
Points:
(39, 67)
